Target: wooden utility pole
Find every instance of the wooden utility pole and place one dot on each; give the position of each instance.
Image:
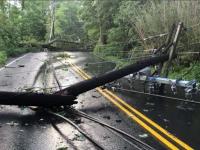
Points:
(52, 28)
(172, 51)
(92, 83)
(35, 99)
(68, 95)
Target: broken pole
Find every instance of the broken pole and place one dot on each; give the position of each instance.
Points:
(173, 48)
(94, 82)
(68, 95)
(35, 99)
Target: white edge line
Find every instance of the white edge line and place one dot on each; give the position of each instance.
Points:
(13, 61)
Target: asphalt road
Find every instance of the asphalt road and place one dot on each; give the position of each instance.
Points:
(24, 129)
(20, 73)
(179, 118)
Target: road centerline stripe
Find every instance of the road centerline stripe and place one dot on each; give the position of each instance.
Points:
(140, 122)
(171, 136)
(132, 116)
(165, 132)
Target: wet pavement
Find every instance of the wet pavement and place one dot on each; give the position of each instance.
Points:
(20, 73)
(182, 119)
(22, 128)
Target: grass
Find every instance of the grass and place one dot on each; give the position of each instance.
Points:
(186, 73)
(3, 57)
(14, 52)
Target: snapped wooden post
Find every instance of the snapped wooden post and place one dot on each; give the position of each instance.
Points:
(172, 51)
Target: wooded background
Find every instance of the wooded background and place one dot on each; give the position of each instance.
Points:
(113, 29)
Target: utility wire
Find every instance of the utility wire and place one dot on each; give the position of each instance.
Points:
(183, 53)
(77, 127)
(112, 61)
(162, 96)
(82, 114)
(69, 121)
(126, 140)
(116, 130)
(166, 33)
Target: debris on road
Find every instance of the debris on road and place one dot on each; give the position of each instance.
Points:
(41, 119)
(20, 66)
(145, 110)
(78, 137)
(12, 123)
(118, 121)
(106, 117)
(96, 96)
(143, 135)
(63, 148)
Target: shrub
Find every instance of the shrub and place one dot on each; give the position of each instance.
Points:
(3, 57)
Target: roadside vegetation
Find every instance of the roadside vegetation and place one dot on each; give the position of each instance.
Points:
(115, 30)
(20, 23)
(119, 30)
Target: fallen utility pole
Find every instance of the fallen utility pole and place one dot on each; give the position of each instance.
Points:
(35, 99)
(173, 48)
(94, 82)
(68, 95)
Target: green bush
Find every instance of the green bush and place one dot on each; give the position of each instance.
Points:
(20, 50)
(16, 51)
(189, 73)
(112, 49)
(3, 57)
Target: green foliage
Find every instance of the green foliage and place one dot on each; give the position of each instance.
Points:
(19, 50)
(33, 23)
(98, 15)
(68, 24)
(115, 28)
(155, 17)
(189, 73)
(109, 50)
(3, 57)
(21, 24)
(121, 25)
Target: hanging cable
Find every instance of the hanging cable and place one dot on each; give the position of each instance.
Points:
(77, 127)
(162, 96)
(126, 140)
(82, 114)
(69, 121)
(166, 33)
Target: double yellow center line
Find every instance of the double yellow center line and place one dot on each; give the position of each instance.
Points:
(170, 141)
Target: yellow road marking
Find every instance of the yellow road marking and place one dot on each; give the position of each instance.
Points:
(109, 95)
(140, 122)
(132, 116)
(178, 141)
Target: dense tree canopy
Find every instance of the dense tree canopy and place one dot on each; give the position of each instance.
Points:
(110, 26)
(68, 23)
(24, 21)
